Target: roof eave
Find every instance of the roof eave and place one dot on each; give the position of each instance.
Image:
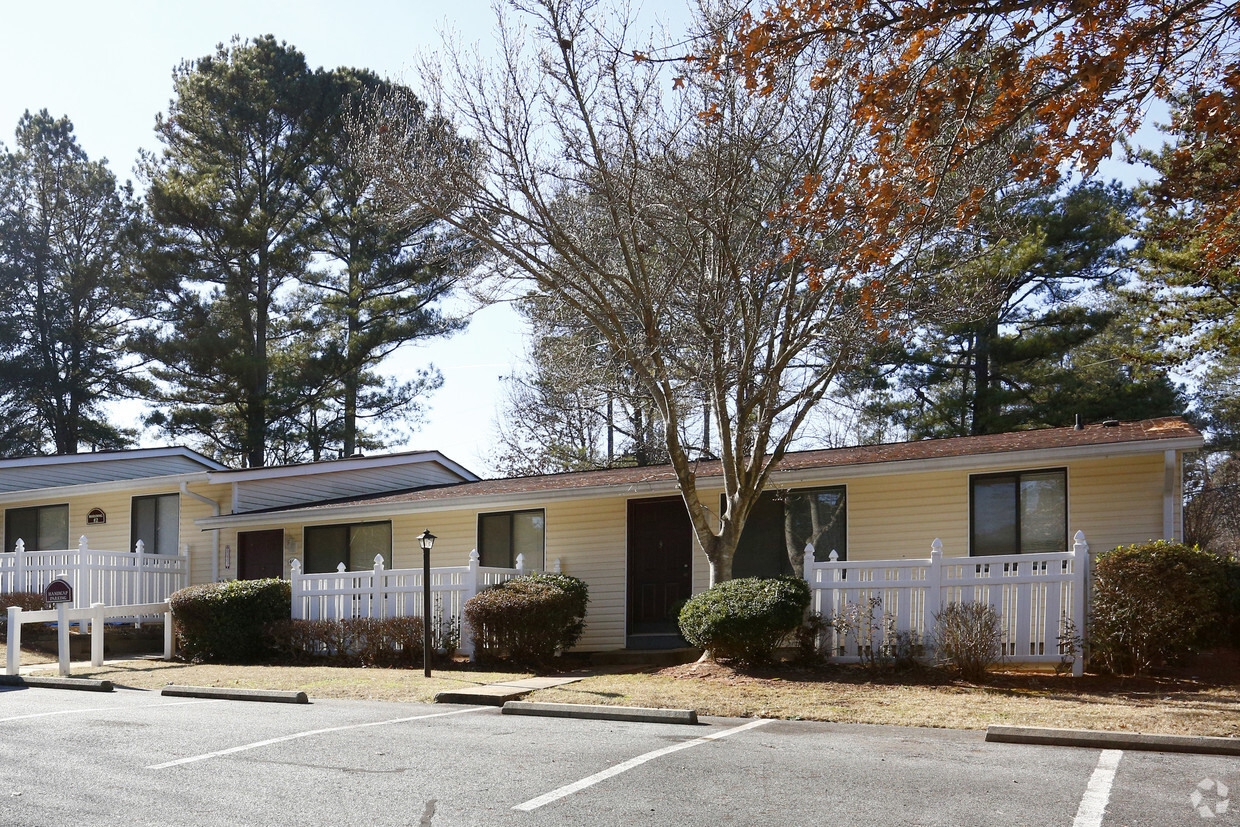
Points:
(779, 479)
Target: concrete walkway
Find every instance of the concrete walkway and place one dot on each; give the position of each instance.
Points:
(497, 694)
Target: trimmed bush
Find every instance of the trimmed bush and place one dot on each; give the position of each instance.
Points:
(1229, 603)
(1153, 603)
(968, 638)
(26, 601)
(528, 619)
(395, 641)
(745, 619)
(228, 622)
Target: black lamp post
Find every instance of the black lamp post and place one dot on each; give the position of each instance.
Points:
(426, 540)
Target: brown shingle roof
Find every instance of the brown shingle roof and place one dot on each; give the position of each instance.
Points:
(1146, 430)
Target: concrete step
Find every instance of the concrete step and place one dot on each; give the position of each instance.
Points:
(645, 657)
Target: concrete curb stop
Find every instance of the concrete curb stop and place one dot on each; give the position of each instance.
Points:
(602, 713)
(84, 684)
(277, 696)
(1096, 739)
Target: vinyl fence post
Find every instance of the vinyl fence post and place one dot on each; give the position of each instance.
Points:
(295, 587)
(140, 595)
(1080, 596)
(378, 603)
(96, 634)
(82, 596)
(169, 638)
(62, 638)
(520, 564)
(19, 576)
(934, 592)
(471, 589)
(13, 666)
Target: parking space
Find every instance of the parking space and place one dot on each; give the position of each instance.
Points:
(133, 757)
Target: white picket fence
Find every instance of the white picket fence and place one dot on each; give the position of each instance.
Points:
(1038, 597)
(382, 593)
(113, 578)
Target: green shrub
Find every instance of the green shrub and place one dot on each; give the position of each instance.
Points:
(1152, 603)
(528, 619)
(228, 622)
(1229, 603)
(745, 619)
(26, 601)
(968, 638)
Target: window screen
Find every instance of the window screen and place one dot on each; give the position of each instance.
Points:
(354, 544)
(1023, 512)
(42, 528)
(502, 536)
(783, 522)
(156, 522)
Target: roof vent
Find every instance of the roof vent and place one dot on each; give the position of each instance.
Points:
(1110, 423)
(1078, 426)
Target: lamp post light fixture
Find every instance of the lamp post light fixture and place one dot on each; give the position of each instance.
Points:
(426, 540)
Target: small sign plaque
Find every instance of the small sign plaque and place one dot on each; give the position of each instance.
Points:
(58, 591)
(96, 516)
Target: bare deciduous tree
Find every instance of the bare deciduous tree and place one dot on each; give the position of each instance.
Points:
(661, 212)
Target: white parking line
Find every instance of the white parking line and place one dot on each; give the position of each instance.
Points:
(309, 733)
(1098, 790)
(103, 709)
(569, 789)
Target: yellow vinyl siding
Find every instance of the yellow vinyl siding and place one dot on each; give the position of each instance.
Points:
(1115, 500)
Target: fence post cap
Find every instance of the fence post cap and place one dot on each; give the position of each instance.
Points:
(520, 562)
(555, 566)
(936, 547)
(20, 545)
(834, 556)
(340, 567)
(139, 547)
(295, 566)
(378, 561)
(474, 557)
(1079, 536)
(82, 542)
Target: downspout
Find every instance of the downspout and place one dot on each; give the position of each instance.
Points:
(215, 532)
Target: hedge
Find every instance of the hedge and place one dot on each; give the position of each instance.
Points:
(26, 601)
(1153, 603)
(228, 622)
(528, 618)
(745, 619)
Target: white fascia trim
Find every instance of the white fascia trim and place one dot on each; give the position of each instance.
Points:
(779, 479)
(85, 489)
(335, 465)
(113, 456)
(1029, 458)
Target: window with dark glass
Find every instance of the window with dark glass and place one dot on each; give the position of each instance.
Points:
(156, 522)
(504, 535)
(42, 527)
(354, 544)
(1019, 512)
(781, 525)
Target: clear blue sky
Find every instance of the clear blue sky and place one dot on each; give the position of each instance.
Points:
(108, 66)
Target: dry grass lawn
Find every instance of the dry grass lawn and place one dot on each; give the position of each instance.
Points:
(316, 681)
(928, 698)
(29, 656)
(1185, 703)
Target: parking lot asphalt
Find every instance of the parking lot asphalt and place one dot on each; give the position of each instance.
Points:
(134, 757)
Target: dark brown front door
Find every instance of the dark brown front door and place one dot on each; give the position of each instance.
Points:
(660, 565)
(260, 554)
